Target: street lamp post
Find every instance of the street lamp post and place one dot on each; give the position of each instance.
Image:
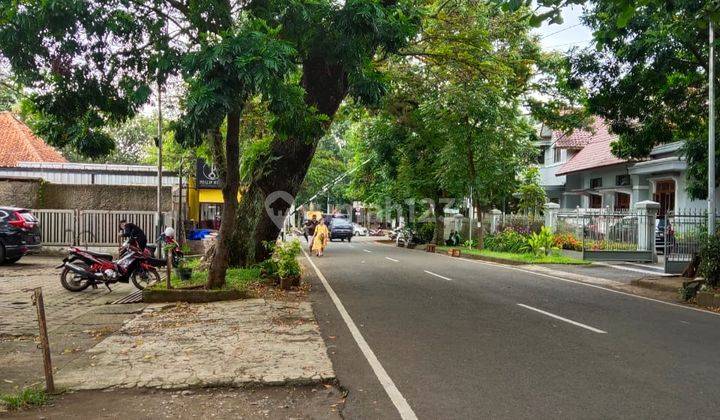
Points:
(711, 133)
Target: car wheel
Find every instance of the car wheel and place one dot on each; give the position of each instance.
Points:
(2, 254)
(349, 238)
(342, 239)
(12, 260)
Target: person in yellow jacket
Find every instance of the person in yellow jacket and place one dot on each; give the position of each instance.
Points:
(321, 238)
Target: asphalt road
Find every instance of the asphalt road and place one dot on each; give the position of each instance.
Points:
(466, 339)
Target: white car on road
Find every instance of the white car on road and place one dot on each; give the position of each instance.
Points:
(359, 230)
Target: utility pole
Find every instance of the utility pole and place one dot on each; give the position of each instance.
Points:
(158, 219)
(711, 135)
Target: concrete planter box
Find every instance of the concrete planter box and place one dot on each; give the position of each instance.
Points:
(286, 283)
(454, 252)
(430, 248)
(192, 295)
(708, 299)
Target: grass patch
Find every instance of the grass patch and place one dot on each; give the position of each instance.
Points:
(236, 278)
(526, 258)
(28, 397)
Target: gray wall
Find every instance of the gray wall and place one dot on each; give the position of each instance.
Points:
(19, 192)
(32, 193)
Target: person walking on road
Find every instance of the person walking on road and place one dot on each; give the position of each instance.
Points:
(321, 238)
(309, 228)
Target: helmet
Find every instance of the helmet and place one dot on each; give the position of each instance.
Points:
(169, 232)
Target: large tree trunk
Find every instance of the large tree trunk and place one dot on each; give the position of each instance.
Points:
(230, 176)
(439, 213)
(325, 86)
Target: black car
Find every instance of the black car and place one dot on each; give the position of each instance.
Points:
(341, 229)
(19, 234)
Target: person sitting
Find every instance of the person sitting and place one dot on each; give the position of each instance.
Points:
(457, 240)
(450, 239)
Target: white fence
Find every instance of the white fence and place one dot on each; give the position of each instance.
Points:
(92, 227)
(57, 227)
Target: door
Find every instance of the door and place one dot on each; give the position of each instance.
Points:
(665, 195)
(595, 201)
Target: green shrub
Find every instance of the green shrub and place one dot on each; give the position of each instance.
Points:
(470, 243)
(285, 257)
(507, 241)
(543, 242)
(710, 260)
(425, 232)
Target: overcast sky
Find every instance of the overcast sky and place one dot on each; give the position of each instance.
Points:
(572, 33)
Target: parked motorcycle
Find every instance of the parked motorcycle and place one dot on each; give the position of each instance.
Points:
(167, 239)
(376, 232)
(83, 268)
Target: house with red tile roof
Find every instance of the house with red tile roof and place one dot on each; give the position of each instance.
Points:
(19, 144)
(578, 169)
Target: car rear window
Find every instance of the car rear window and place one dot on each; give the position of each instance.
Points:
(341, 223)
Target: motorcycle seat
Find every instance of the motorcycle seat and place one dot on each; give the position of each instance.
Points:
(101, 255)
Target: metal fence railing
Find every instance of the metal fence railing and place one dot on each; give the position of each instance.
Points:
(681, 233)
(524, 223)
(611, 230)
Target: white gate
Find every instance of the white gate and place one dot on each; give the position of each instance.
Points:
(101, 228)
(93, 227)
(57, 227)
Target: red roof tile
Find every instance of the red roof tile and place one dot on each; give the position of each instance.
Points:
(597, 154)
(577, 139)
(19, 144)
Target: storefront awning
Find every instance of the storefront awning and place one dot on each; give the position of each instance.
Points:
(210, 196)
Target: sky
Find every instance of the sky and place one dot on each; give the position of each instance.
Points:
(572, 33)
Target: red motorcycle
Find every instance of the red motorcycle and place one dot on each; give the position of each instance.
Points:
(83, 268)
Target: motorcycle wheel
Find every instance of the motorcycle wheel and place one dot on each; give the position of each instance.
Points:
(73, 281)
(145, 278)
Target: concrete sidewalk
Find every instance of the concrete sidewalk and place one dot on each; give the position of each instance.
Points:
(236, 343)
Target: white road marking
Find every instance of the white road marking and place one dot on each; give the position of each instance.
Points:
(569, 321)
(367, 250)
(401, 404)
(581, 283)
(437, 275)
(392, 259)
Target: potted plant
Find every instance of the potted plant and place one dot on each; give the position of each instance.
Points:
(183, 271)
(288, 267)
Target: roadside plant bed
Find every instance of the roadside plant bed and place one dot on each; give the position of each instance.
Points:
(514, 258)
(238, 284)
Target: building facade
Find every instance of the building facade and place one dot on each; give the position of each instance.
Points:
(578, 169)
